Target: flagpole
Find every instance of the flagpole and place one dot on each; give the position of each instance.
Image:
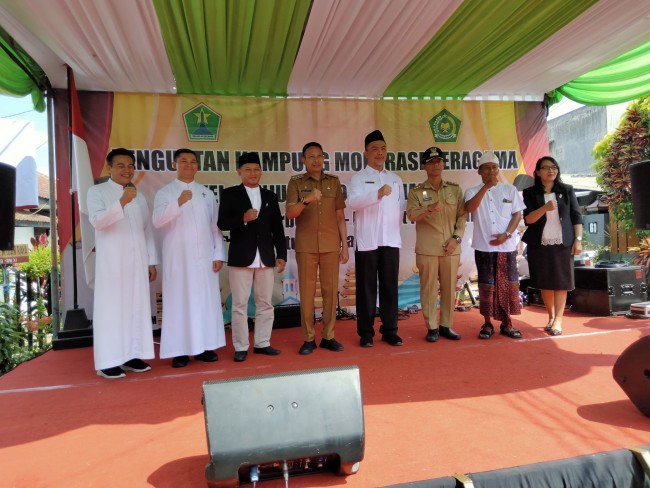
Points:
(72, 203)
(75, 318)
(54, 272)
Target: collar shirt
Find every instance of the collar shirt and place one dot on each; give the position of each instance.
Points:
(433, 231)
(255, 196)
(317, 228)
(377, 222)
(493, 216)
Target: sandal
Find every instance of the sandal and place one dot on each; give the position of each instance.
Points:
(510, 331)
(549, 326)
(487, 331)
(555, 332)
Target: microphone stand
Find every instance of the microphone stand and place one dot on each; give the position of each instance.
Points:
(340, 313)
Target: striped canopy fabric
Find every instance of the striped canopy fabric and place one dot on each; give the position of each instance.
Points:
(595, 52)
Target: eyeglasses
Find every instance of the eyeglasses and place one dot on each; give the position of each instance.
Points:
(549, 168)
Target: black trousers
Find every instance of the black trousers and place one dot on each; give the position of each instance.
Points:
(381, 264)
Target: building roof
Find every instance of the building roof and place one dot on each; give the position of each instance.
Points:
(43, 186)
(25, 216)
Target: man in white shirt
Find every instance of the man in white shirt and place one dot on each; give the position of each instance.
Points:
(126, 263)
(193, 253)
(257, 244)
(496, 211)
(377, 199)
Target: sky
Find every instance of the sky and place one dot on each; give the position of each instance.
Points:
(15, 113)
(563, 107)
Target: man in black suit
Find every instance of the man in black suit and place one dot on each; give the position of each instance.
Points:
(257, 244)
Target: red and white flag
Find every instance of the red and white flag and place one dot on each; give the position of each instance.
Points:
(82, 180)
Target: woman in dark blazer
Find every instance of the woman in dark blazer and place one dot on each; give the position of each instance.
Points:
(553, 236)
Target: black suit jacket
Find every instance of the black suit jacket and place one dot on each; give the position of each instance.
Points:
(567, 206)
(266, 233)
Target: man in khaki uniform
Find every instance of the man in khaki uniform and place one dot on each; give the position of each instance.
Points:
(438, 209)
(315, 200)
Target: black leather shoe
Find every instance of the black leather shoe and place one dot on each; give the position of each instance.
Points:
(240, 356)
(207, 357)
(448, 333)
(268, 350)
(432, 335)
(366, 342)
(180, 361)
(307, 347)
(392, 339)
(331, 344)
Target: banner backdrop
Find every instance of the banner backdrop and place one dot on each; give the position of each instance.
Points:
(219, 129)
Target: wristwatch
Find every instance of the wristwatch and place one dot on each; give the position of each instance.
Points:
(302, 200)
(578, 238)
(508, 235)
(459, 239)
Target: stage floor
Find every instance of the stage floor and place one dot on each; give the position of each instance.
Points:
(430, 410)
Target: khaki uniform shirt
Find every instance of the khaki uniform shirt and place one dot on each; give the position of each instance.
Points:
(317, 229)
(437, 228)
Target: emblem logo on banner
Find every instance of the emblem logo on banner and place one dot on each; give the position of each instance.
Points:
(445, 126)
(202, 123)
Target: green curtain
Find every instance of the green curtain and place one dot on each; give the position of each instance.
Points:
(232, 47)
(480, 39)
(623, 79)
(13, 79)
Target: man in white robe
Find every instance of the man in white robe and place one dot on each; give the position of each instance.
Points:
(125, 264)
(193, 253)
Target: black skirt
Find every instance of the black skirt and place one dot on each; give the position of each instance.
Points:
(551, 267)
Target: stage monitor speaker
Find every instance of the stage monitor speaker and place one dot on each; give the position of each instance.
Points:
(280, 425)
(632, 373)
(7, 206)
(639, 177)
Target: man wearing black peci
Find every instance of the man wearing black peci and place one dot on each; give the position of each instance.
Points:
(257, 245)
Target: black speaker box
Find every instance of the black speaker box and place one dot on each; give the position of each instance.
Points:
(608, 291)
(7, 206)
(534, 297)
(289, 423)
(286, 316)
(639, 177)
(632, 373)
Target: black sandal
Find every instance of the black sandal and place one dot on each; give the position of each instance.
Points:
(510, 331)
(487, 331)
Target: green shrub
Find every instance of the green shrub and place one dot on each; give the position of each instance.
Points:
(11, 338)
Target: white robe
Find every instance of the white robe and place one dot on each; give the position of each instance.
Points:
(125, 248)
(192, 316)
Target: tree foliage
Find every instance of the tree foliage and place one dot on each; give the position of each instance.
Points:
(616, 152)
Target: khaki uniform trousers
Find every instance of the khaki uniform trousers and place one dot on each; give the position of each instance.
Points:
(433, 269)
(261, 281)
(326, 265)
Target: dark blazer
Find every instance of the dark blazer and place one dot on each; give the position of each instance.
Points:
(567, 206)
(265, 233)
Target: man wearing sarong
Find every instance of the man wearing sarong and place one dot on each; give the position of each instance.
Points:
(496, 211)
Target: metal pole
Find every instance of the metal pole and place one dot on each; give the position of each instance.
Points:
(54, 270)
(73, 223)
